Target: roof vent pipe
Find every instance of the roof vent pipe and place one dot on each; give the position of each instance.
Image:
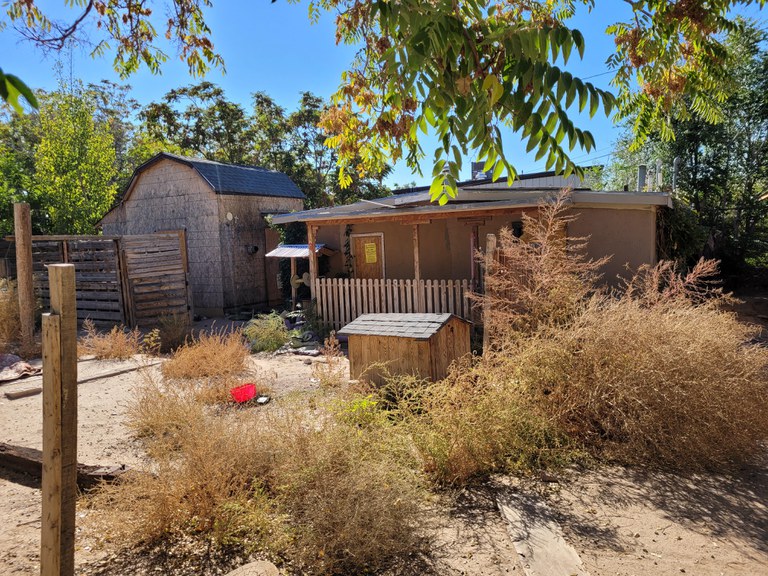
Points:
(659, 175)
(642, 173)
(675, 173)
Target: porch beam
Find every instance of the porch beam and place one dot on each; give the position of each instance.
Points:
(416, 264)
(411, 219)
(311, 237)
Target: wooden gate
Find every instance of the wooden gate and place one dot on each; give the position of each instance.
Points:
(155, 277)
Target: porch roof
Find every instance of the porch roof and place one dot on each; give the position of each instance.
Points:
(296, 251)
(478, 200)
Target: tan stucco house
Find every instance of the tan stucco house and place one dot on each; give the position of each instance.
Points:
(406, 237)
(221, 208)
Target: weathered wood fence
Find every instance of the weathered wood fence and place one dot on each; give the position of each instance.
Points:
(127, 279)
(341, 300)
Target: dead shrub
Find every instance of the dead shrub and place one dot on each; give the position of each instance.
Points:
(219, 353)
(117, 344)
(673, 384)
(311, 489)
(10, 326)
(478, 421)
(330, 371)
(654, 373)
(539, 279)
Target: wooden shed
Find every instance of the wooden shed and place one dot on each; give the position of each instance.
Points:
(420, 344)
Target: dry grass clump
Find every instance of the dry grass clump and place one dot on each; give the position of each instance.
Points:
(330, 371)
(266, 332)
(219, 353)
(310, 489)
(10, 326)
(475, 422)
(117, 344)
(673, 384)
(654, 373)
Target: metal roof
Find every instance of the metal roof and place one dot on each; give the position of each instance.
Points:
(415, 326)
(296, 251)
(477, 199)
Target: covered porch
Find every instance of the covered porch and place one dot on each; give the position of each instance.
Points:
(403, 254)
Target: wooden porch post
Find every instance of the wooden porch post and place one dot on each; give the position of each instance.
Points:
(311, 235)
(474, 263)
(416, 264)
(22, 221)
(293, 287)
(490, 254)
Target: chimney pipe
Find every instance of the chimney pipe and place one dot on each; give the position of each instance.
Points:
(659, 175)
(642, 173)
(675, 173)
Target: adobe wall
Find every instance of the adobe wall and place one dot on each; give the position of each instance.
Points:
(628, 235)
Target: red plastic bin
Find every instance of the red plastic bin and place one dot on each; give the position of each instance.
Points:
(243, 393)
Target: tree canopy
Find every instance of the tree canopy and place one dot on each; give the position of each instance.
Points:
(469, 71)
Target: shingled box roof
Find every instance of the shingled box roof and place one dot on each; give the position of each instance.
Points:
(416, 326)
(234, 179)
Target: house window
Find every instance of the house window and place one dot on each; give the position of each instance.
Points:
(517, 229)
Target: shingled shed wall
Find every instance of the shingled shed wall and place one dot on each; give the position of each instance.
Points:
(419, 344)
(225, 228)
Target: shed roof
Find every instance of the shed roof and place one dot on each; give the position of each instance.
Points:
(415, 326)
(232, 179)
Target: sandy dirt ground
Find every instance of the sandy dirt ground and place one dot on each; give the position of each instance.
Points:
(621, 522)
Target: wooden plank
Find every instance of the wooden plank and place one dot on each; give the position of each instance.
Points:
(311, 235)
(29, 461)
(416, 250)
(347, 302)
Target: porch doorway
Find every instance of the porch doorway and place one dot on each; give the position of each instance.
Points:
(368, 254)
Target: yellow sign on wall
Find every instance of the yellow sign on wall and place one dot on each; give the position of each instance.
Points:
(370, 253)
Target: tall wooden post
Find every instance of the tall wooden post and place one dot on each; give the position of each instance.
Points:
(22, 221)
(490, 254)
(311, 236)
(57, 542)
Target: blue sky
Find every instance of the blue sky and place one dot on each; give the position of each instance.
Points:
(274, 48)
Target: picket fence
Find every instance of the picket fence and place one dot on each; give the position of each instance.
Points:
(341, 300)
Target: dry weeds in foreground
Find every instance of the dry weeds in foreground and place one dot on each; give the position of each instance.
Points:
(219, 353)
(307, 488)
(10, 328)
(117, 344)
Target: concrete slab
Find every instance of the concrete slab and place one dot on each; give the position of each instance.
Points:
(537, 537)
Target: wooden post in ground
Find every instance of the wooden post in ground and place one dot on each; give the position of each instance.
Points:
(490, 254)
(57, 542)
(22, 220)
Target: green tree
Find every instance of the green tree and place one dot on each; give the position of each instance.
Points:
(19, 137)
(723, 168)
(469, 71)
(476, 70)
(75, 162)
(198, 119)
